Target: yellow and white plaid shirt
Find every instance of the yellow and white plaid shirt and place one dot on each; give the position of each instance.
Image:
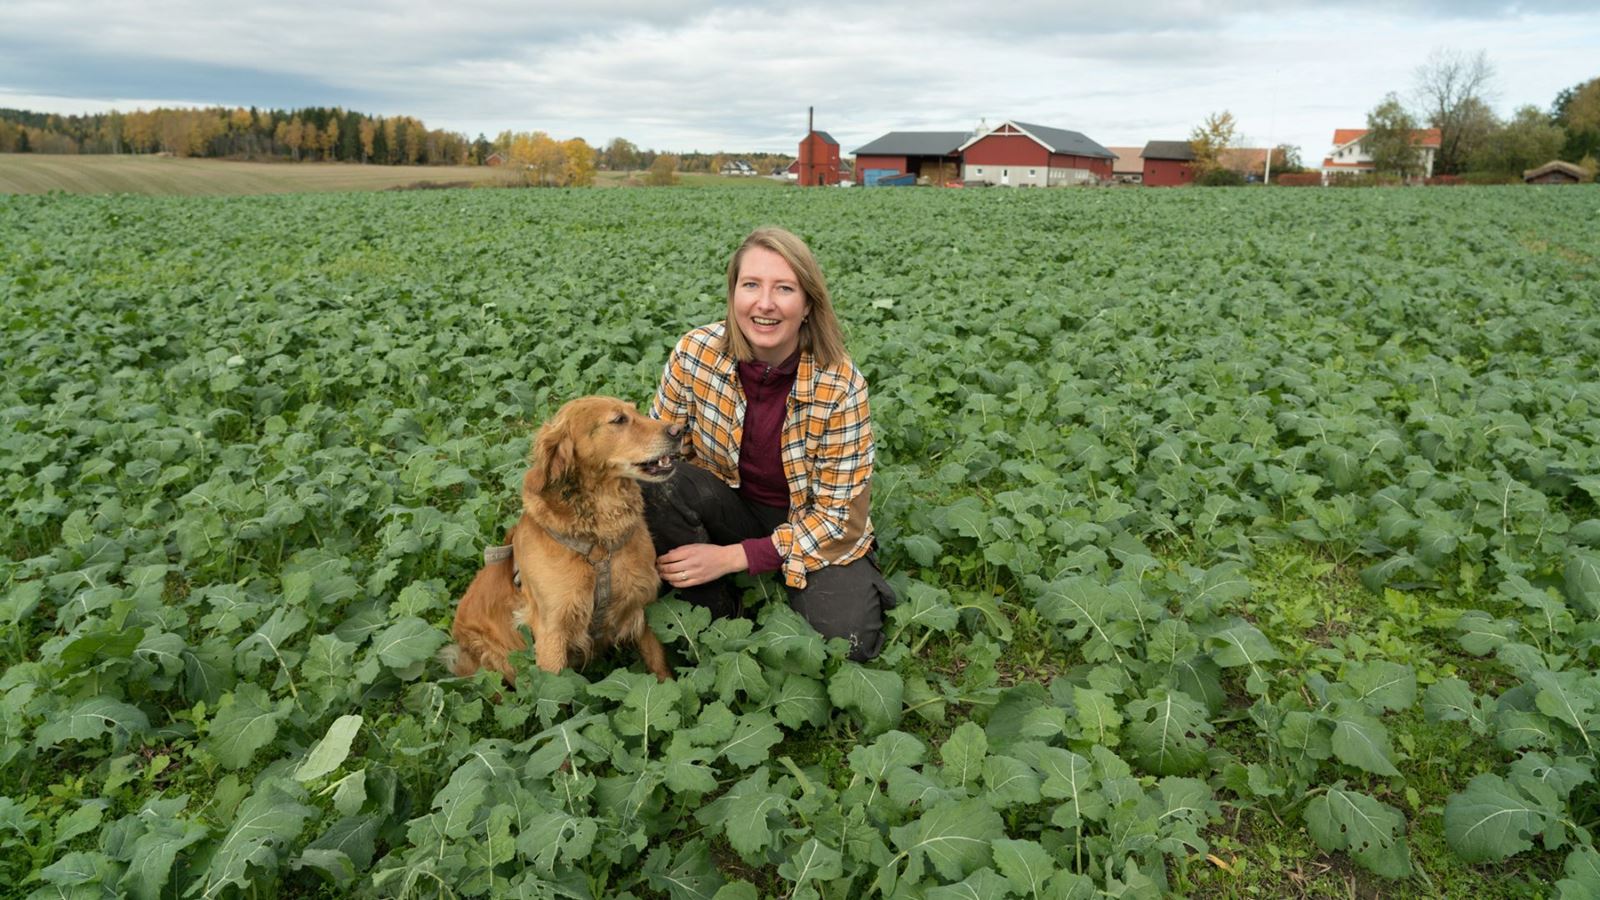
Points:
(827, 446)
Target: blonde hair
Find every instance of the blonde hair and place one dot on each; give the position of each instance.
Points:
(820, 334)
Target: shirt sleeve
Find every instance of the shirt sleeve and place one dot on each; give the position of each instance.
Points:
(674, 400)
(761, 555)
(835, 525)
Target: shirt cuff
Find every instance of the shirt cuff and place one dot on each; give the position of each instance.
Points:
(762, 556)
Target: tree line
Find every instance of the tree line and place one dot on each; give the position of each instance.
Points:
(309, 133)
(332, 134)
(1450, 94)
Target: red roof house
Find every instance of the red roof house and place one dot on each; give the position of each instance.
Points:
(1348, 155)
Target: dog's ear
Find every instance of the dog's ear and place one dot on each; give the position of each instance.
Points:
(554, 456)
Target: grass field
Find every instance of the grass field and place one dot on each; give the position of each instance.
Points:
(1247, 543)
(35, 173)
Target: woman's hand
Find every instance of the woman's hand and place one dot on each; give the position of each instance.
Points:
(696, 564)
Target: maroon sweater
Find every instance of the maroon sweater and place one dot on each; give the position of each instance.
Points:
(761, 477)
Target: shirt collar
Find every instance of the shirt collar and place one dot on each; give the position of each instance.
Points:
(805, 377)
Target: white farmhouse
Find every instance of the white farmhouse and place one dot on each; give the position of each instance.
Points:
(1348, 155)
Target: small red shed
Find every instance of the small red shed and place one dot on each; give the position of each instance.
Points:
(1168, 163)
(819, 157)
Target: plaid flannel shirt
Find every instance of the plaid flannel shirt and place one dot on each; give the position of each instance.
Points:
(827, 446)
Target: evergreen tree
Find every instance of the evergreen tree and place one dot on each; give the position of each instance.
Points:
(402, 143)
(380, 144)
(350, 137)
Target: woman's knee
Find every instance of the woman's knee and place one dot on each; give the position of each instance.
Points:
(847, 602)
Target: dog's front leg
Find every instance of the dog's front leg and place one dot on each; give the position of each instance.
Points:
(655, 655)
(549, 642)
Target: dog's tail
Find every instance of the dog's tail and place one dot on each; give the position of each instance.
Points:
(458, 659)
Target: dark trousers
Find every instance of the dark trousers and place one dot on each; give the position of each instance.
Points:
(693, 506)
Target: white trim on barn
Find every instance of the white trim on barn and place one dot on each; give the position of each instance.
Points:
(1005, 129)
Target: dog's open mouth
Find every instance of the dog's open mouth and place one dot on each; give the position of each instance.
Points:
(656, 468)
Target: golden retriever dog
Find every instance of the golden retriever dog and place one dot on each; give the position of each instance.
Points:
(581, 551)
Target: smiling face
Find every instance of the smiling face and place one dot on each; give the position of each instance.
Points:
(768, 305)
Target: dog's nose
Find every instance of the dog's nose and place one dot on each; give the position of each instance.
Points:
(675, 431)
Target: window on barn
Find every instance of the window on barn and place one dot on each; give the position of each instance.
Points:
(1032, 172)
(978, 170)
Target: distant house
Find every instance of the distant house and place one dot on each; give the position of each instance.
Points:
(1348, 154)
(738, 167)
(931, 155)
(1127, 168)
(793, 171)
(497, 158)
(1021, 154)
(1556, 172)
(1168, 163)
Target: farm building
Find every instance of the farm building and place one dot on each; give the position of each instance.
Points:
(1348, 155)
(1556, 172)
(737, 167)
(1168, 163)
(1017, 153)
(819, 157)
(920, 154)
(1127, 168)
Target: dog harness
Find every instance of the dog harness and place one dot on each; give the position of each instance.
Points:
(585, 550)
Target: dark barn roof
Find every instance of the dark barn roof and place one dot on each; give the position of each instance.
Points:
(1168, 150)
(826, 137)
(914, 143)
(1066, 143)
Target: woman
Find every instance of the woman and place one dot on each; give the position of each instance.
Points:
(781, 446)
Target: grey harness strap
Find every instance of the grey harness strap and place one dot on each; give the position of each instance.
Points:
(602, 571)
(585, 549)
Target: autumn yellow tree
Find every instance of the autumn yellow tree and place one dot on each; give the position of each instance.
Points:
(579, 171)
(369, 130)
(293, 135)
(186, 132)
(140, 130)
(1210, 139)
(330, 138)
(541, 159)
(663, 172)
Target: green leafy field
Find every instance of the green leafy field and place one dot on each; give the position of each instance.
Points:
(1247, 540)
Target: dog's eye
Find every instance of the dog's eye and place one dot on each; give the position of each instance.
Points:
(619, 419)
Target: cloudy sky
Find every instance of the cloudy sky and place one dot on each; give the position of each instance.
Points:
(710, 75)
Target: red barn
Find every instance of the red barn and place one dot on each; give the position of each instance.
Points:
(921, 154)
(1017, 153)
(1168, 163)
(819, 157)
